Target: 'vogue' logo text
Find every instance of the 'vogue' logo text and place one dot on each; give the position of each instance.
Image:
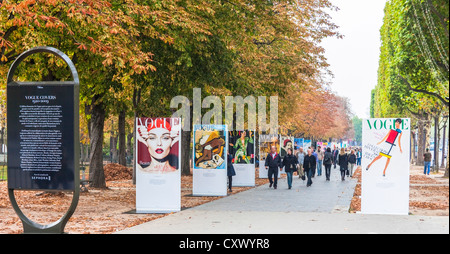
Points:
(386, 124)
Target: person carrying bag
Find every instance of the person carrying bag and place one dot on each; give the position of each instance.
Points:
(327, 161)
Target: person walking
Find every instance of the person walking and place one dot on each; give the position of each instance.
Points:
(309, 164)
(300, 158)
(358, 156)
(290, 165)
(426, 162)
(351, 161)
(320, 155)
(327, 160)
(230, 171)
(273, 163)
(335, 156)
(343, 163)
(314, 169)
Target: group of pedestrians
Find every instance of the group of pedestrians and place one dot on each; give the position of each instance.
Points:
(307, 164)
(274, 162)
(346, 162)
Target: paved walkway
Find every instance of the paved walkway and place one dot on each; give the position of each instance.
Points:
(321, 208)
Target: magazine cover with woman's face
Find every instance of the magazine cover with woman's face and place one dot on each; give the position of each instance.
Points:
(286, 143)
(158, 143)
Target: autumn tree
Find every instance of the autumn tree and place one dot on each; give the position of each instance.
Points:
(247, 48)
(317, 113)
(137, 55)
(97, 35)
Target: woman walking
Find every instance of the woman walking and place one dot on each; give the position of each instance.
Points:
(290, 165)
(309, 164)
(343, 163)
(230, 171)
(320, 155)
(352, 161)
(300, 159)
(327, 161)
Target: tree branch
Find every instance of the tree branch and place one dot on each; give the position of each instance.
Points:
(260, 43)
(446, 102)
(418, 115)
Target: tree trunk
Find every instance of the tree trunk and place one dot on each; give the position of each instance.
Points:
(2, 131)
(411, 149)
(129, 152)
(424, 139)
(82, 152)
(134, 146)
(113, 148)
(420, 143)
(414, 147)
(436, 144)
(84, 149)
(443, 145)
(186, 153)
(136, 101)
(97, 122)
(122, 145)
(446, 167)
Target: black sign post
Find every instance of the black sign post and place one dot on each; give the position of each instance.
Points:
(43, 138)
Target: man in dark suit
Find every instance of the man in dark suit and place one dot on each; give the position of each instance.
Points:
(309, 164)
(273, 161)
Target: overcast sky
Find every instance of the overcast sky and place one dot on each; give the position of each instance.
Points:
(354, 59)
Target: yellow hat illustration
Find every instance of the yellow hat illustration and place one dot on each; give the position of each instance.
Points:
(212, 136)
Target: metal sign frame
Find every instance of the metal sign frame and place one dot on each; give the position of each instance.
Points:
(30, 226)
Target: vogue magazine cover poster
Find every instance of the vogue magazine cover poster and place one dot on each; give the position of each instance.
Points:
(306, 145)
(242, 148)
(286, 142)
(158, 143)
(210, 160)
(210, 147)
(385, 166)
(266, 141)
(158, 178)
(298, 142)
